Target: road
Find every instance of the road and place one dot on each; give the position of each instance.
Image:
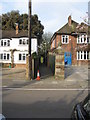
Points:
(47, 98)
(40, 103)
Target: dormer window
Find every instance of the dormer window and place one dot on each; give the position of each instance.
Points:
(65, 39)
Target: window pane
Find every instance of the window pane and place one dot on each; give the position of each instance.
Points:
(66, 39)
(1, 56)
(4, 56)
(84, 54)
(20, 57)
(81, 54)
(27, 41)
(24, 41)
(2, 43)
(84, 38)
(24, 57)
(78, 39)
(87, 54)
(8, 43)
(81, 39)
(78, 55)
(7, 56)
(20, 41)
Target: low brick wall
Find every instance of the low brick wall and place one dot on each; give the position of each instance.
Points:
(20, 65)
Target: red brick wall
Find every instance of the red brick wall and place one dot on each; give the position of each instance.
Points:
(20, 65)
(70, 47)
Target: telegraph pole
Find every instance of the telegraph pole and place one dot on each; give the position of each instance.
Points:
(29, 44)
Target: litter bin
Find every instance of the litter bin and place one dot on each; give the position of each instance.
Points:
(9, 65)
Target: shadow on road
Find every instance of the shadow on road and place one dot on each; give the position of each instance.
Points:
(68, 71)
(48, 108)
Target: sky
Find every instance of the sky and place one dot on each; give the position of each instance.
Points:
(53, 14)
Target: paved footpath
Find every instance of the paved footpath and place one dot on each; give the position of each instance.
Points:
(74, 80)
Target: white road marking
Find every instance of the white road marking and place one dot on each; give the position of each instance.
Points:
(40, 89)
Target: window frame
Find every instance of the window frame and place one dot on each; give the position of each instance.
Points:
(23, 55)
(82, 39)
(4, 43)
(83, 54)
(64, 37)
(4, 56)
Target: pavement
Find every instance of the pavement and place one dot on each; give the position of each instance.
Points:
(75, 78)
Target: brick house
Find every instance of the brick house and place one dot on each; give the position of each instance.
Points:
(74, 39)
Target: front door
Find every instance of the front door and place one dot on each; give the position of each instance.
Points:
(67, 58)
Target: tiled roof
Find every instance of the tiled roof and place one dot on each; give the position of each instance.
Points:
(74, 28)
(68, 29)
(12, 34)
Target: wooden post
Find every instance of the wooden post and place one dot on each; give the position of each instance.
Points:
(29, 63)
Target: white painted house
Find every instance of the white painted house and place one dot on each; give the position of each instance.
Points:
(17, 43)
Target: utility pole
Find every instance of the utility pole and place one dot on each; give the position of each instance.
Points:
(29, 44)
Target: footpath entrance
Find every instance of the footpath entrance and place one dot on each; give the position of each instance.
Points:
(45, 71)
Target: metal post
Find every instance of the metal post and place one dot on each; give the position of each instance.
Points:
(29, 44)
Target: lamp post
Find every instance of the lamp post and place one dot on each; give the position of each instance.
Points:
(29, 44)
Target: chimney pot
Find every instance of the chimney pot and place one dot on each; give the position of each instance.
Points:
(16, 28)
(69, 20)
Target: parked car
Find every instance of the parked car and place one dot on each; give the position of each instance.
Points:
(2, 117)
(81, 110)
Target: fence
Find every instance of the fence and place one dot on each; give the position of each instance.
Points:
(51, 62)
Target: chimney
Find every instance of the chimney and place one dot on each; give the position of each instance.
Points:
(69, 20)
(16, 28)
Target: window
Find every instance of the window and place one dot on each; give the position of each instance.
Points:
(88, 39)
(22, 56)
(4, 56)
(5, 42)
(1, 42)
(27, 41)
(83, 55)
(88, 55)
(8, 56)
(1, 56)
(20, 41)
(8, 43)
(53, 44)
(64, 39)
(23, 42)
(82, 39)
